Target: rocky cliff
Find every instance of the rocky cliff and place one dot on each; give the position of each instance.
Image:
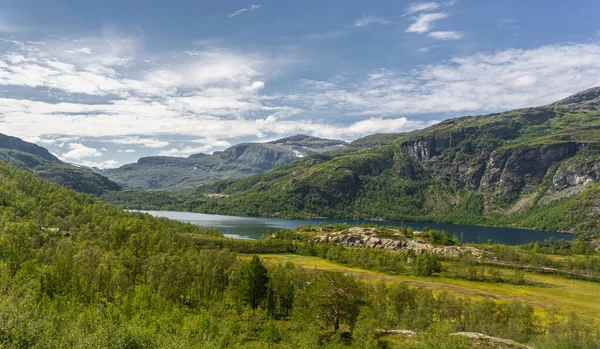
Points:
(532, 167)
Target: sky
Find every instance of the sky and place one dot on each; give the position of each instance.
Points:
(103, 83)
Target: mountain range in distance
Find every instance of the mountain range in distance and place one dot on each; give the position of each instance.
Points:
(534, 168)
(179, 175)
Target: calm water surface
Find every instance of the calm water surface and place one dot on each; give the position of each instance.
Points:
(254, 227)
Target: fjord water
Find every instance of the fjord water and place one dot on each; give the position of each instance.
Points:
(255, 227)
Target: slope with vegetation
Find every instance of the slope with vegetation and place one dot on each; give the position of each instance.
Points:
(534, 168)
(78, 273)
(38, 160)
(176, 174)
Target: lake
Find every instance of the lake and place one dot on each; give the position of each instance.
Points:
(255, 227)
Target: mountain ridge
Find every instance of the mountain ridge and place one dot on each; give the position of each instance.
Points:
(38, 160)
(177, 174)
(532, 167)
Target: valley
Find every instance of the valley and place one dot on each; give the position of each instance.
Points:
(534, 168)
(333, 174)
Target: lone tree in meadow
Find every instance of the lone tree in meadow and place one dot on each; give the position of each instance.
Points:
(333, 298)
(254, 282)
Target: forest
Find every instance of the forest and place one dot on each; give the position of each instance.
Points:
(76, 272)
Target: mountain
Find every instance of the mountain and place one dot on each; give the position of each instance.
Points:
(533, 167)
(33, 158)
(176, 174)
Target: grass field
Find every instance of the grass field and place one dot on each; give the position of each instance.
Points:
(551, 292)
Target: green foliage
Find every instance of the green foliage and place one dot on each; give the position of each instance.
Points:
(438, 237)
(96, 276)
(331, 299)
(469, 170)
(427, 264)
(254, 282)
(46, 166)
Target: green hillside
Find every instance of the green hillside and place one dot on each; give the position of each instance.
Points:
(78, 273)
(534, 168)
(38, 160)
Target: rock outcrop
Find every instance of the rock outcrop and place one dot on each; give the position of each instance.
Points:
(577, 172)
(480, 340)
(367, 238)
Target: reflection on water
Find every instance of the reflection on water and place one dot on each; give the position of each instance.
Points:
(254, 227)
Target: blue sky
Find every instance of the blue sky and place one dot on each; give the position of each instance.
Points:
(103, 83)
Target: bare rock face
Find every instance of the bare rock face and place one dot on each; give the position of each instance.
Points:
(517, 170)
(364, 238)
(580, 172)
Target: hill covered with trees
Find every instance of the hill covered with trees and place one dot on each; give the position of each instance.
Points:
(33, 158)
(78, 273)
(534, 168)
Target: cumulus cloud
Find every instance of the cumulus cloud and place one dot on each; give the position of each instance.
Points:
(368, 20)
(185, 151)
(381, 125)
(424, 22)
(213, 142)
(82, 98)
(82, 50)
(483, 82)
(146, 142)
(126, 151)
(99, 164)
(240, 11)
(78, 151)
(422, 7)
(446, 35)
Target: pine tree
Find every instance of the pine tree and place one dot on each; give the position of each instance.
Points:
(254, 282)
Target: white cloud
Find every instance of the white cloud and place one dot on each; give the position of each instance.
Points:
(213, 142)
(424, 22)
(422, 7)
(446, 35)
(186, 151)
(425, 49)
(82, 50)
(380, 125)
(126, 151)
(240, 11)
(146, 142)
(525, 80)
(368, 20)
(495, 81)
(78, 151)
(217, 96)
(99, 164)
